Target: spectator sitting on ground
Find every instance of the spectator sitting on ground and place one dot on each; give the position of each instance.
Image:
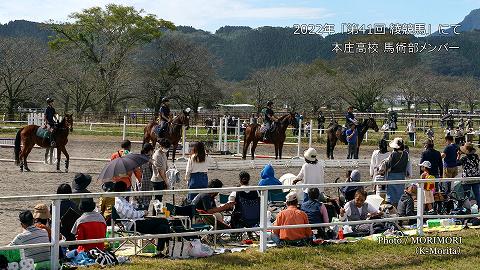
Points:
(90, 225)
(268, 177)
(349, 191)
(32, 235)
(358, 209)
(406, 204)
(315, 210)
(65, 205)
(80, 185)
(105, 204)
(41, 218)
(292, 216)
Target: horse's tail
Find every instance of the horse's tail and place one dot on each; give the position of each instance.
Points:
(17, 146)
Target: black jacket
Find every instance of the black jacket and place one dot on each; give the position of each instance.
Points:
(435, 158)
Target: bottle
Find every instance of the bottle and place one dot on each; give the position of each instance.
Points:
(340, 234)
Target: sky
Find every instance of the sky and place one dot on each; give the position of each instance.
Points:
(210, 15)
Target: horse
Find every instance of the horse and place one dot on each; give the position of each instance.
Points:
(253, 134)
(334, 133)
(173, 134)
(26, 139)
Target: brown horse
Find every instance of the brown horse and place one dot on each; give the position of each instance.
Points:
(173, 134)
(27, 138)
(253, 134)
(334, 133)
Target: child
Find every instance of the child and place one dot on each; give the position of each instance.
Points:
(429, 186)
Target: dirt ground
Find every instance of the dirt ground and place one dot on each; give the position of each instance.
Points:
(44, 179)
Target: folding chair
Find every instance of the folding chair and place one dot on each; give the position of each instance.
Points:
(214, 223)
(116, 222)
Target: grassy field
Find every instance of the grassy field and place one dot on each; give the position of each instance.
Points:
(360, 255)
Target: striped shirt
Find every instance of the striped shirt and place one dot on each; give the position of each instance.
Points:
(126, 210)
(33, 235)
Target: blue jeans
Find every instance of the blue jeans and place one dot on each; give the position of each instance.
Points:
(475, 187)
(394, 192)
(197, 180)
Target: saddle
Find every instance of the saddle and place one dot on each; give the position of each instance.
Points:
(43, 133)
(160, 130)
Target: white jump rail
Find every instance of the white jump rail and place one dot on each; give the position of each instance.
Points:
(262, 229)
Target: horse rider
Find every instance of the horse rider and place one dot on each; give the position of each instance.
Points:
(321, 122)
(165, 115)
(50, 120)
(350, 117)
(269, 118)
(392, 120)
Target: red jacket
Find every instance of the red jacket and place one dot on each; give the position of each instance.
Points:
(90, 225)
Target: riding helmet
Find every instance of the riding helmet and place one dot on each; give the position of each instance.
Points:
(269, 103)
(50, 100)
(165, 99)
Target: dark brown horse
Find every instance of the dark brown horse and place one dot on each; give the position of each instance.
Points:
(253, 134)
(27, 138)
(173, 134)
(334, 133)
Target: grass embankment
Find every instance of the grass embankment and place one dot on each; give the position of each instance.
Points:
(360, 255)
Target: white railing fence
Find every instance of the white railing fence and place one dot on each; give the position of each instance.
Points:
(263, 226)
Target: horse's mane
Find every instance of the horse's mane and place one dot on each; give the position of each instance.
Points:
(283, 117)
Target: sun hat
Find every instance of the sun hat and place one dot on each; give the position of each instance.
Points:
(41, 211)
(81, 181)
(292, 196)
(426, 164)
(310, 154)
(467, 148)
(396, 143)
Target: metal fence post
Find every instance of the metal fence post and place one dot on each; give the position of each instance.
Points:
(238, 136)
(299, 138)
(55, 248)
(220, 135)
(225, 136)
(263, 220)
(310, 134)
(124, 127)
(420, 202)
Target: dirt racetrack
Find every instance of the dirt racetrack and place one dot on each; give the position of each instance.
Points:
(44, 179)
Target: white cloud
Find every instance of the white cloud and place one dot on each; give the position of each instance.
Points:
(198, 13)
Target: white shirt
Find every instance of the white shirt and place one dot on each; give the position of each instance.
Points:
(348, 211)
(385, 127)
(312, 174)
(194, 167)
(233, 195)
(126, 210)
(411, 127)
(375, 161)
(159, 163)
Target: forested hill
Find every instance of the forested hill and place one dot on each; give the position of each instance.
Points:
(241, 50)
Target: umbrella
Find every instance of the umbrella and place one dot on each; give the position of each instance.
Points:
(122, 166)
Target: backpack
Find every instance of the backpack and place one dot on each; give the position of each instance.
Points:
(173, 176)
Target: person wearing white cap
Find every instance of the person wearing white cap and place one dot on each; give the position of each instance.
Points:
(312, 171)
(398, 167)
(426, 166)
(292, 216)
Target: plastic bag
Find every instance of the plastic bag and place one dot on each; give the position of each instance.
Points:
(200, 250)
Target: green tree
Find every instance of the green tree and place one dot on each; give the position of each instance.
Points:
(106, 39)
